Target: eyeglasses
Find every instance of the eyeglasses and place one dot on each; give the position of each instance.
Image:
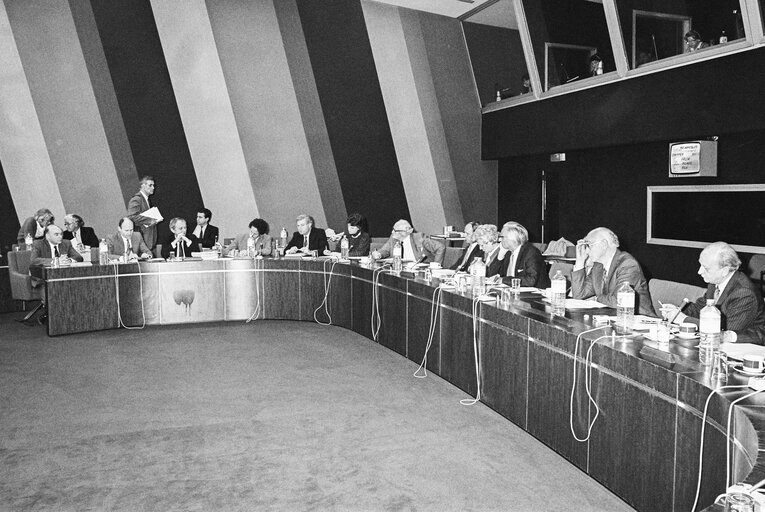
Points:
(401, 230)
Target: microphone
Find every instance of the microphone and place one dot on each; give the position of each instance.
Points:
(680, 309)
(655, 50)
(422, 258)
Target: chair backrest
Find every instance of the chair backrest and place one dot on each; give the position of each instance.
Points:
(757, 270)
(672, 292)
(18, 272)
(452, 255)
(376, 242)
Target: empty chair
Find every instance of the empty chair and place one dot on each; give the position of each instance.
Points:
(21, 282)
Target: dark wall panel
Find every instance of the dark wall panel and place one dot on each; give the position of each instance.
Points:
(10, 228)
(607, 187)
(147, 102)
(357, 123)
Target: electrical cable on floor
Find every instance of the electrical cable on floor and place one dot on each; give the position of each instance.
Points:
(258, 308)
(476, 303)
(327, 284)
(117, 288)
(701, 444)
(376, 319)
(435, 308)
(587, 383)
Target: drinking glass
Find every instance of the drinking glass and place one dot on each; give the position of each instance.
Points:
(515, 285)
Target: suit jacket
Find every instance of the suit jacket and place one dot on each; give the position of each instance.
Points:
(240, 243)
(530, 267)
(741, 308)
(117, 246)
(28, 227)
(208, 240)
(41, 253)
(87, 235)
(317, 240)
(136, 206)
(462, 264)
(420, 244)
(623, 268)
(168, 250)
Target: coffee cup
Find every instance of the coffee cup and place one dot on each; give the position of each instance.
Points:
(686, 330)
(753, 363)
(435, 264)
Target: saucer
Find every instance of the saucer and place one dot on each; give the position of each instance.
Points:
(687, 335)
(740, 368)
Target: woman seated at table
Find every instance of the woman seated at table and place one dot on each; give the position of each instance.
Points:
(472, 249)
(357, 234)
(179, 244)
(259, 233)
(487, 237)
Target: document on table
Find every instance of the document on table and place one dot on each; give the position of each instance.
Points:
(737, 351)
(583, 304)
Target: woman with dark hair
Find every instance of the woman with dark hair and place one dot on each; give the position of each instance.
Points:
(259, 233)
(357, 233)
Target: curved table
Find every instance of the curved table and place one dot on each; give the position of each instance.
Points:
(645, 440)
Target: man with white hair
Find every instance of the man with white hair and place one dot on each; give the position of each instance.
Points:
(518, 258)
(610, 268)
(737, 298)
(415, 244)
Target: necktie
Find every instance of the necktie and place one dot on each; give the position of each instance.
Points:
(511, 265)
(717, 293)
(202, 233)
(56, 254)
(128, 246)
(305, 240)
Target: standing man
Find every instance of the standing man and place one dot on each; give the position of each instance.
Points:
(205, 232)
(138, 204)
(53, 246)
(125, 242)
(306, 238)
(415, 244)
(611, 267)
(519, 258)
(80, 234)
(34, 226)
(737, 298)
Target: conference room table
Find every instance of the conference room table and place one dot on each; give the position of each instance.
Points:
(644, 416)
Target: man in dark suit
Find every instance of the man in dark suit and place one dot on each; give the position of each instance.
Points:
(34, 226)
(138, 204)
(205, 232)
(307, 238)
(78, 233)
(472, 249)
(126, 242)
(737, 298)
(519, 258)
(52, 246)
(415, 244)
(610, 268)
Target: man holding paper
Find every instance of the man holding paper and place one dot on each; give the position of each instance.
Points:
(142, 214)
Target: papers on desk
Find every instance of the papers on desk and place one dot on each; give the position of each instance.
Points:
(583, 304)
(153, 213)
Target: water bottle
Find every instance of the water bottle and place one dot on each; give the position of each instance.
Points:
(709, 329)
(558, 296)
(251, 247)
(283, 238)
(275, 250)
(217, 247)
(398, 255)
(344, 248)
(479, 276)
(260, 253)
(103, 252)
(625, 308)
(28, 241)
(723, 37)
(56, 262)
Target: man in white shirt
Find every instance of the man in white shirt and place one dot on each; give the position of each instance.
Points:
(138, 204)
(415, 244)
(205, 232)
(53, 246)
(519, 258)
(126, 243)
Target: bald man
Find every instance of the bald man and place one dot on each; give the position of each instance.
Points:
(416, 245)
(51, 246)
(610, 268)
(737, 298)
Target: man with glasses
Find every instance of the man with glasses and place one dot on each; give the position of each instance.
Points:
(610, 268)
(693, 42)
(416, 245)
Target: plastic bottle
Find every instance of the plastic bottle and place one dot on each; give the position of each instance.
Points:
(723, 37)
(625, 308)
(28, 242)
(499, 95)
(275, 250)
(479, 276)
(344, 248)
(283, 238)
(103, 252)
(251, 247)
(398, 255)
(558, 297)
(218, 248)
(709, 330)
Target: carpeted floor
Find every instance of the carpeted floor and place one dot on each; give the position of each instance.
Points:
(256, 417)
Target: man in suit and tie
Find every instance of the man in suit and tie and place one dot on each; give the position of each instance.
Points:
(415, 244)
(307, 238)
(518, 258)
(138, 204)
(127, 244)
(738, 299)
(80, 234)
(610, 268)
(53, 246)
(205, 232)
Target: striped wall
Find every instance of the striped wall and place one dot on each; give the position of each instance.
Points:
(252, 108)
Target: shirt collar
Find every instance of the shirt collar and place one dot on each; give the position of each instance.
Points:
(722, 285)
(607, 264)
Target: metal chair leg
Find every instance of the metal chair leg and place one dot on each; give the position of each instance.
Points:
(32, 313)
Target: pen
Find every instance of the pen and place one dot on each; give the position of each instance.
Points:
(679, 309)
